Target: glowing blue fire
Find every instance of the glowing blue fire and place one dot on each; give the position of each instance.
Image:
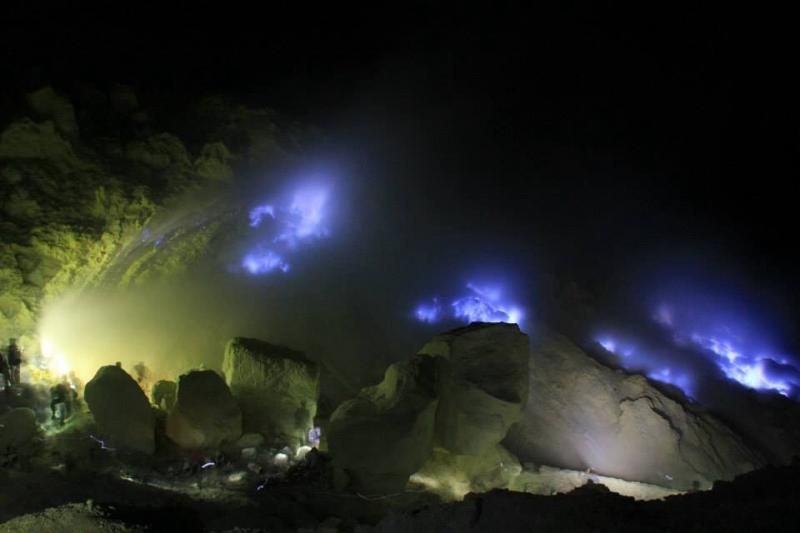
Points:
(263, 262)
(429, 312)
(482, 303)
(735, 342)
(259, 212)
(300, 219)
(657, 364)
(712, 335)
(305, 216)
(485, 304)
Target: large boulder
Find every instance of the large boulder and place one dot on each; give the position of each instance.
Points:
(385, 434)
(483, 386)
(584, 415)
(277, 389)
(121, 410)
(205, 414)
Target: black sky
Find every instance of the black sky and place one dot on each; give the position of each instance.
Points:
(590, 137)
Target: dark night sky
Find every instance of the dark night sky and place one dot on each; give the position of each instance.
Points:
(604, 135)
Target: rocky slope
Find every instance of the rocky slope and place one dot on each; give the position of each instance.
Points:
(583, 415)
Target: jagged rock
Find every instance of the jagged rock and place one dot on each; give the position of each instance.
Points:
(121, 410)
(213, 162)
(277, 389)
(163, 394)
(50, 105)
(205, 414)
(385, 434)
(17, 428)
(482, 387)
(583, 415)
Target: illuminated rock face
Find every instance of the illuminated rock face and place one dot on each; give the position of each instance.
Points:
(582, 415)
(121, 410)
(205, 414)
(385, 434)
(276, 387)
(483, 385)
(460, 393)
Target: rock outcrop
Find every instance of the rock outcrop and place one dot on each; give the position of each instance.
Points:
(459, 395)
(277, 389)
(121, 410)
(385, 434)
(483, 385)
(583, 415)
(205, 414)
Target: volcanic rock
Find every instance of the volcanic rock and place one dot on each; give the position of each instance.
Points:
(121, 410)
(277, 389)
(583, 415)
(385, 434)
(483, 386)
(205, 414)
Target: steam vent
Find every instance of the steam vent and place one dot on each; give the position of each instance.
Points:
(391, 269)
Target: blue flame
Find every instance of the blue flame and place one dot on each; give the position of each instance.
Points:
(429, 312)
(481, 303)
(305, 216)
(259, 212)
(301, 219)
(264, 262)
(702, 333)
(656, 363)
(738, 347)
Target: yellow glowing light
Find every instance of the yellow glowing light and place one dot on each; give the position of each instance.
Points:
(55, 360)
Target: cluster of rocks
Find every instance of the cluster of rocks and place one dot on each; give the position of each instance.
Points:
(268, 391)
(458, 395)
(477, 408)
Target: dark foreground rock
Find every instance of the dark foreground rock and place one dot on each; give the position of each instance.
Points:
(121, 410)
(205, 414)
(763, 500)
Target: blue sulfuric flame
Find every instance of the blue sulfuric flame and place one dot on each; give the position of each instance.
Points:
(656, 363)
(728, 338)
(301, 219)
(264, 262)
(259, 212)
(429, 312)
(480, 303)
(304, 218)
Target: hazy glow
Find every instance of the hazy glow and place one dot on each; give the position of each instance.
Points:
(480, 303)
(53, 359)
(299, 220)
